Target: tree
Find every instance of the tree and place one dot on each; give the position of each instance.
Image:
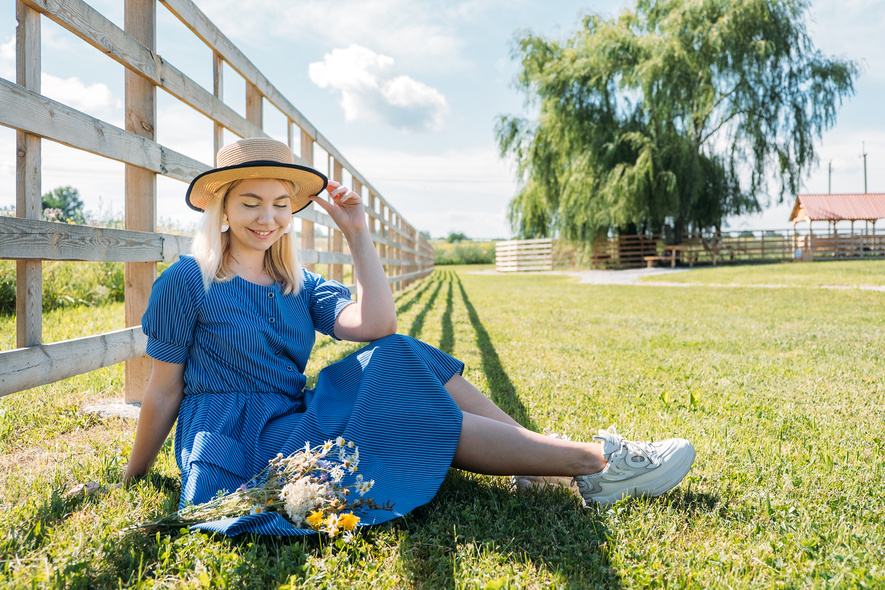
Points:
(67, 204)
(455, 237)
(658, 114)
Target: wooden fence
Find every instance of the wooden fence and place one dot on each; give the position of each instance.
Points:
(405, 254)
(523, 255)
(744, 247)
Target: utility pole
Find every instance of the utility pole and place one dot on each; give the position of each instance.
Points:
(830, 178)
(863, 149)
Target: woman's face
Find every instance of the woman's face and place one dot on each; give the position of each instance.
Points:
(258, 210)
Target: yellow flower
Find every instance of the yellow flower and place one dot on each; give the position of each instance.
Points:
(315, 519)
(348, 521)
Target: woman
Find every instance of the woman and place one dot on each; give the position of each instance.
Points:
(231, 328)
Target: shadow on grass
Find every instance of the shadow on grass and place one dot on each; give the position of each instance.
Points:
(418, 321)
(447, 339)
(417, 293)
(500, 387)
(547, 528)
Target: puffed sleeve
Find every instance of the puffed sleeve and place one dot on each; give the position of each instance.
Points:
(172, 311)
(327, 300)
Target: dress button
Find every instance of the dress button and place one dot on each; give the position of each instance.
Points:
(277, 353)
(288, 368)
(270, 295)
(270, 320)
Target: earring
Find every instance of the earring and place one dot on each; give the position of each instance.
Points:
(225, 225)
(288, 228)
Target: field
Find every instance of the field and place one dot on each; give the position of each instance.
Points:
(781, 391)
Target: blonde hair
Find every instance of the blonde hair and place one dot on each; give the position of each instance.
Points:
(211, 248)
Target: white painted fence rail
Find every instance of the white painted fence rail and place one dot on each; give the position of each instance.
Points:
(524, 255)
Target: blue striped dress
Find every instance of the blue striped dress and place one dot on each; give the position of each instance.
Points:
(245, 347)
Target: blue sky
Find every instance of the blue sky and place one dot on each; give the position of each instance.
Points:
(408, 90)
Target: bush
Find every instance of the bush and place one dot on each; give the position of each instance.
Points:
(465, 252)
(67, 284)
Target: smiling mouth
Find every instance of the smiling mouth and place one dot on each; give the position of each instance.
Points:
(261, 234)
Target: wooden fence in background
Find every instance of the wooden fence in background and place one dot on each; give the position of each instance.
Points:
(522, 255)
(697, 249)
(405, 254)
(744, 247)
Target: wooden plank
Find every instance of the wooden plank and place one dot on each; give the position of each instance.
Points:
(25, 368)
(28, 188)
(91, 26)
(308, 237)
(32, 113)
(218, 92)
(27, 239)
(254, 105)
(410, 276)
(323, 257)
(516, 244)
(337, 273)
(140, 188)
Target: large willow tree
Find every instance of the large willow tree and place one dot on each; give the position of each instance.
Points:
(660, 112)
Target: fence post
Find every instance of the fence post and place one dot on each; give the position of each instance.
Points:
(337, 236)
(218, 90)
(254, 105)
(28, 201)
(358, 189)
(141, 187)
(307, 234)
(383, 250)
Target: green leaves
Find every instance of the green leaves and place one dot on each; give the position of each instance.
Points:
(657, 113)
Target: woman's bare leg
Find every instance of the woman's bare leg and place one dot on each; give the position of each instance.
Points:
(472, 400)
(494, 447)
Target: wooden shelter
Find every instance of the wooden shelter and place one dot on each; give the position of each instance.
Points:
(866, 207)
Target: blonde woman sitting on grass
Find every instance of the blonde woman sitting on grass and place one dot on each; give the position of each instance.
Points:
(230, 330)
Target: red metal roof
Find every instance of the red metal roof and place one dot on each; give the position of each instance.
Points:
(848, 207)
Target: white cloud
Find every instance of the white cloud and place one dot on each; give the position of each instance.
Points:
(95, 99)
(417, 33)
(371, 90)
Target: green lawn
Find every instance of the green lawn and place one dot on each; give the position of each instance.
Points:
(818, 274)
(781, 390)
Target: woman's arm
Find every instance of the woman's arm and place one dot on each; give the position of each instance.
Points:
(373, 316)
(162, 400)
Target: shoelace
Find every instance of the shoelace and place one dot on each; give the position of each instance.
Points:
(632, 447)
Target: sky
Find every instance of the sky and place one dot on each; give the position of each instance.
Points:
(408, 91)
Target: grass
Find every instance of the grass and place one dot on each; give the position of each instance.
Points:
(819, 274)
(780, 390)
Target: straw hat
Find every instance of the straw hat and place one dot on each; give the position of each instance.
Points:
(255, 157)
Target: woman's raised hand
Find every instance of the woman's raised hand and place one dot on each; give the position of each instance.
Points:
(344, 206)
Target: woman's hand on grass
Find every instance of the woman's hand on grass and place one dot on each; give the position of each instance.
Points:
(89, 488)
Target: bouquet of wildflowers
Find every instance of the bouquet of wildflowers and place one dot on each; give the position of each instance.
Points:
(305, 487)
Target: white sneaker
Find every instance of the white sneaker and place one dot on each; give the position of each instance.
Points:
(635, 469)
